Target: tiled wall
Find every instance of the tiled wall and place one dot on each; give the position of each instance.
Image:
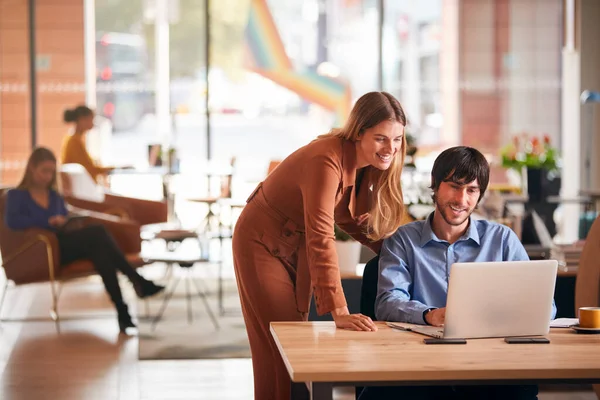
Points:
(59, 35)
(15, 126)
(483, 31)
(509, 71)
(590, 80)
(534, 71)
(60, 77)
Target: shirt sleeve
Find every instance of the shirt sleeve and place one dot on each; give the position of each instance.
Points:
(62, 206)
(18, 214)
(393, 302)
(75, 152)
(514, 251)
(355, 230)
(319, 189)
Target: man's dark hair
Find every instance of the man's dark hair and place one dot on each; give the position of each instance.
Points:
(462, 165)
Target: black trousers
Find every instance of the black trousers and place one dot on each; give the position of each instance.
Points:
(96, 244)
(470, 392)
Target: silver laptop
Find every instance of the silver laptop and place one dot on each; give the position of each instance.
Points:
(497, 299)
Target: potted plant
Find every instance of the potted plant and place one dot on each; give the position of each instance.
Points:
(534, 157)
(530, 152)
(348, 251)
(411, 150)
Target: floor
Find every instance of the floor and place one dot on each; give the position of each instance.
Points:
(90, 360)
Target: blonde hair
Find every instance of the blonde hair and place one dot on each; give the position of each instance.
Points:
(387, 212)
(39, 155)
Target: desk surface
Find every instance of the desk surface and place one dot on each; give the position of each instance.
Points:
(318, 352)
(572, 199)
(173, 257)
(595, 193)
(140, 171)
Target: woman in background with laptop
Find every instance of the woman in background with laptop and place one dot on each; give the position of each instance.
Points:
(73, 149)
(284, 245)
(36, 203)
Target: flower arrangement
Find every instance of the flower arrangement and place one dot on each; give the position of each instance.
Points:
(411, 150)
(530, 152)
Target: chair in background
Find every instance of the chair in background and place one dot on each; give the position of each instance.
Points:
(32, 255)
(368, 293)
(368, 289)
(211, 222)
(587, 286)
(212, 226)
(81, 191)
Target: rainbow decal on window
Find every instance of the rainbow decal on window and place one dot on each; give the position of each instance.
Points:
(268, 57)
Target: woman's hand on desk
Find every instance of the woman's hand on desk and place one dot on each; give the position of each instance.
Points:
(356, 322)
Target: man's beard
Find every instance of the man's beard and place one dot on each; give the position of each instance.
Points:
(446, 208)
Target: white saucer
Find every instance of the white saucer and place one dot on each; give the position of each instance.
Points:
(585, 330)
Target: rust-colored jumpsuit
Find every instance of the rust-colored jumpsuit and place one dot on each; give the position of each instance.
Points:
(284, 247)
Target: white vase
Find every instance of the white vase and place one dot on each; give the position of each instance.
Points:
(348, 256)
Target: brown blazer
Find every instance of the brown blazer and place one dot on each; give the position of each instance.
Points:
(312, 188)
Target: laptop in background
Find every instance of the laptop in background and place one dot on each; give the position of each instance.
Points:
(495, 299)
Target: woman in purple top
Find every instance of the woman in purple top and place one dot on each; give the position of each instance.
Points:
(35, 203)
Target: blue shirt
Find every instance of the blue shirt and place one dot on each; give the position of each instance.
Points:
(414, 265)
(22, 212)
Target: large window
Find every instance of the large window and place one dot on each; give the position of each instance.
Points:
(411, 64)
(474, 72)
(281, 73)
(123, 89)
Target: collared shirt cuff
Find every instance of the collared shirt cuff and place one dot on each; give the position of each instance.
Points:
(327, 300)
(417, 316)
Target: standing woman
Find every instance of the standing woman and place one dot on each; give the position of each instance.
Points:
(283, 244)
(73, 149)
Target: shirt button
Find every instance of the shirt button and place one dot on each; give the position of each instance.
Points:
(287, 233)
(276, 252)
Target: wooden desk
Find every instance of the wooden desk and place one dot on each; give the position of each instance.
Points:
(322, 356)
(595, 193)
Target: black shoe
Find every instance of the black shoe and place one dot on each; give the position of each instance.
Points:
(124, 319)
(144, 289)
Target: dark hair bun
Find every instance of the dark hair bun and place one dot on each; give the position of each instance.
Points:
(69, 115)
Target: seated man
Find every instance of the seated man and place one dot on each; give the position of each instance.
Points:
(414, 263)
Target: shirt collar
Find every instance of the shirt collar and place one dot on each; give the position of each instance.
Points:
(427, 234)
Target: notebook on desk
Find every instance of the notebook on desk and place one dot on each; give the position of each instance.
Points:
(495, 299)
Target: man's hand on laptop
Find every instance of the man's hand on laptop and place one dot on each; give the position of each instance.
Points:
(436, 317)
